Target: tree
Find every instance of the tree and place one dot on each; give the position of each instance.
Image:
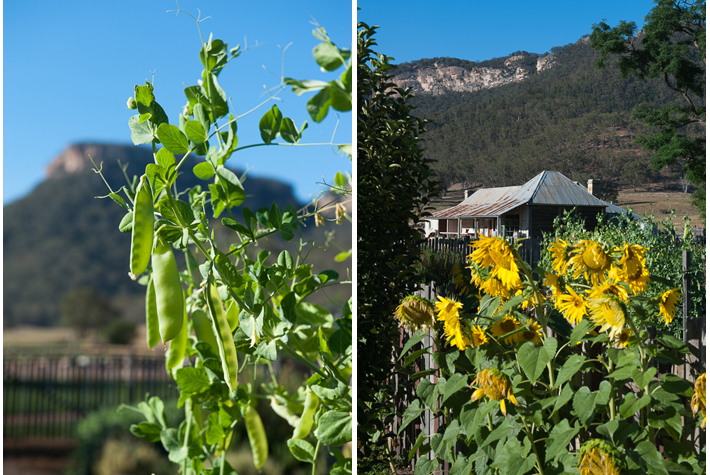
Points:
(83, 308)
(395, 185)
(671, 46)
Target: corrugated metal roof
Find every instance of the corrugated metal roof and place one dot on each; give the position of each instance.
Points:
(549, 188)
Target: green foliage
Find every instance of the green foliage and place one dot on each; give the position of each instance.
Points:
(72, 242)
(664, 257)
(438, 266)
(395, 185)
(120, 332)
(520, 399)
(671, 47)
(259, 308)
(84, 308)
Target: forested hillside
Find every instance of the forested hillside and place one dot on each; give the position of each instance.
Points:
(60, 238)
(572, 118)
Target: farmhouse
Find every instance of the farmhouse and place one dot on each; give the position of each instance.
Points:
(521, 211)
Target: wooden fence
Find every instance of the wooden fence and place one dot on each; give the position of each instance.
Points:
(529, 248)
(46, 397)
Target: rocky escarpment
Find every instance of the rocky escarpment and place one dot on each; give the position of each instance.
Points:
(439, 78)
(441, 75)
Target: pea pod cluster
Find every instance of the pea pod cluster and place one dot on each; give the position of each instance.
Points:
(169, 299)
(225, 341)
(257, 437)
(142, 233)
(303, 428)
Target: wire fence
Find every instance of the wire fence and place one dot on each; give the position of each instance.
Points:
(46, 397)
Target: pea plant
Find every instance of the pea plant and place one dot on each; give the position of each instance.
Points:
(225, 310)
(557, 373)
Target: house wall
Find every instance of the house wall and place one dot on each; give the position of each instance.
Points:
(543, 217)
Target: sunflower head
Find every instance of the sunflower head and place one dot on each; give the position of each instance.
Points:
(449, 314)
(505, 326)
(461, 279)
(532, 333)
(597, 457)
(494, 385)
(560, 254)
(697, 403)
(632, 261)
(590, 258)
(607, 312)
(415, 313)
(667, 303)
(572, 305)
(479, 336)
(621, 340)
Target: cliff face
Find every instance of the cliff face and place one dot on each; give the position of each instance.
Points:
(439, 79)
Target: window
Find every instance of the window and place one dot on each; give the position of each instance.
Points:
(512, 224)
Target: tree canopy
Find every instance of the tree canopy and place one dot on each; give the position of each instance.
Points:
(671, 47)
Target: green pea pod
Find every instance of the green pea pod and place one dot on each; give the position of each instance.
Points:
(303, 428)
(142, 234)
(168, 291)
(152, 330)
(203, 329)
(225, 341)
(257, 437)
(178, 345)
(232, 315)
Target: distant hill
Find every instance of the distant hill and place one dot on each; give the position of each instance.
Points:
(59, 237)
(502, 121)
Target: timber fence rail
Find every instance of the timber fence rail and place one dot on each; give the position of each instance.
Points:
(45, 397)
(530, 248)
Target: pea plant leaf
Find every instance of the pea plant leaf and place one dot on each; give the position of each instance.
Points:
(141, 132)
(270, 124)
(172, 138)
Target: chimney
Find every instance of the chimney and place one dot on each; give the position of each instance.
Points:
(465, 194)
(590, 186)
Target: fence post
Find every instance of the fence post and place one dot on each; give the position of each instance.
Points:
(686, 278)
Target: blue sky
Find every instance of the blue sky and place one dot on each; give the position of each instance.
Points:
(69, 68)
(478, 30)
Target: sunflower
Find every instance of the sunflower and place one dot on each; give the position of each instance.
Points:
(463, 286)
(638, 283)
(479, 336)
(533, 333)
(598, 457)
(495, 288)
(608, 313)
(621, 340)
(556, 282)
(449, 314)
(572, 305)
(505, 326)
(484, 250)
(667, 303)
(590, 259)
(494, 385)
(599, 291)
(415, 313)
(560, 253)
(698, 400)
(632, 261)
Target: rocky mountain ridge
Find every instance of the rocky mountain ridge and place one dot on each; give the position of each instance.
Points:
(438, 78)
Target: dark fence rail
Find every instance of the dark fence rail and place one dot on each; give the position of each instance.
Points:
(529, 250)
(46, 397)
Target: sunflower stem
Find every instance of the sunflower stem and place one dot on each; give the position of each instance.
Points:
(529, 434)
